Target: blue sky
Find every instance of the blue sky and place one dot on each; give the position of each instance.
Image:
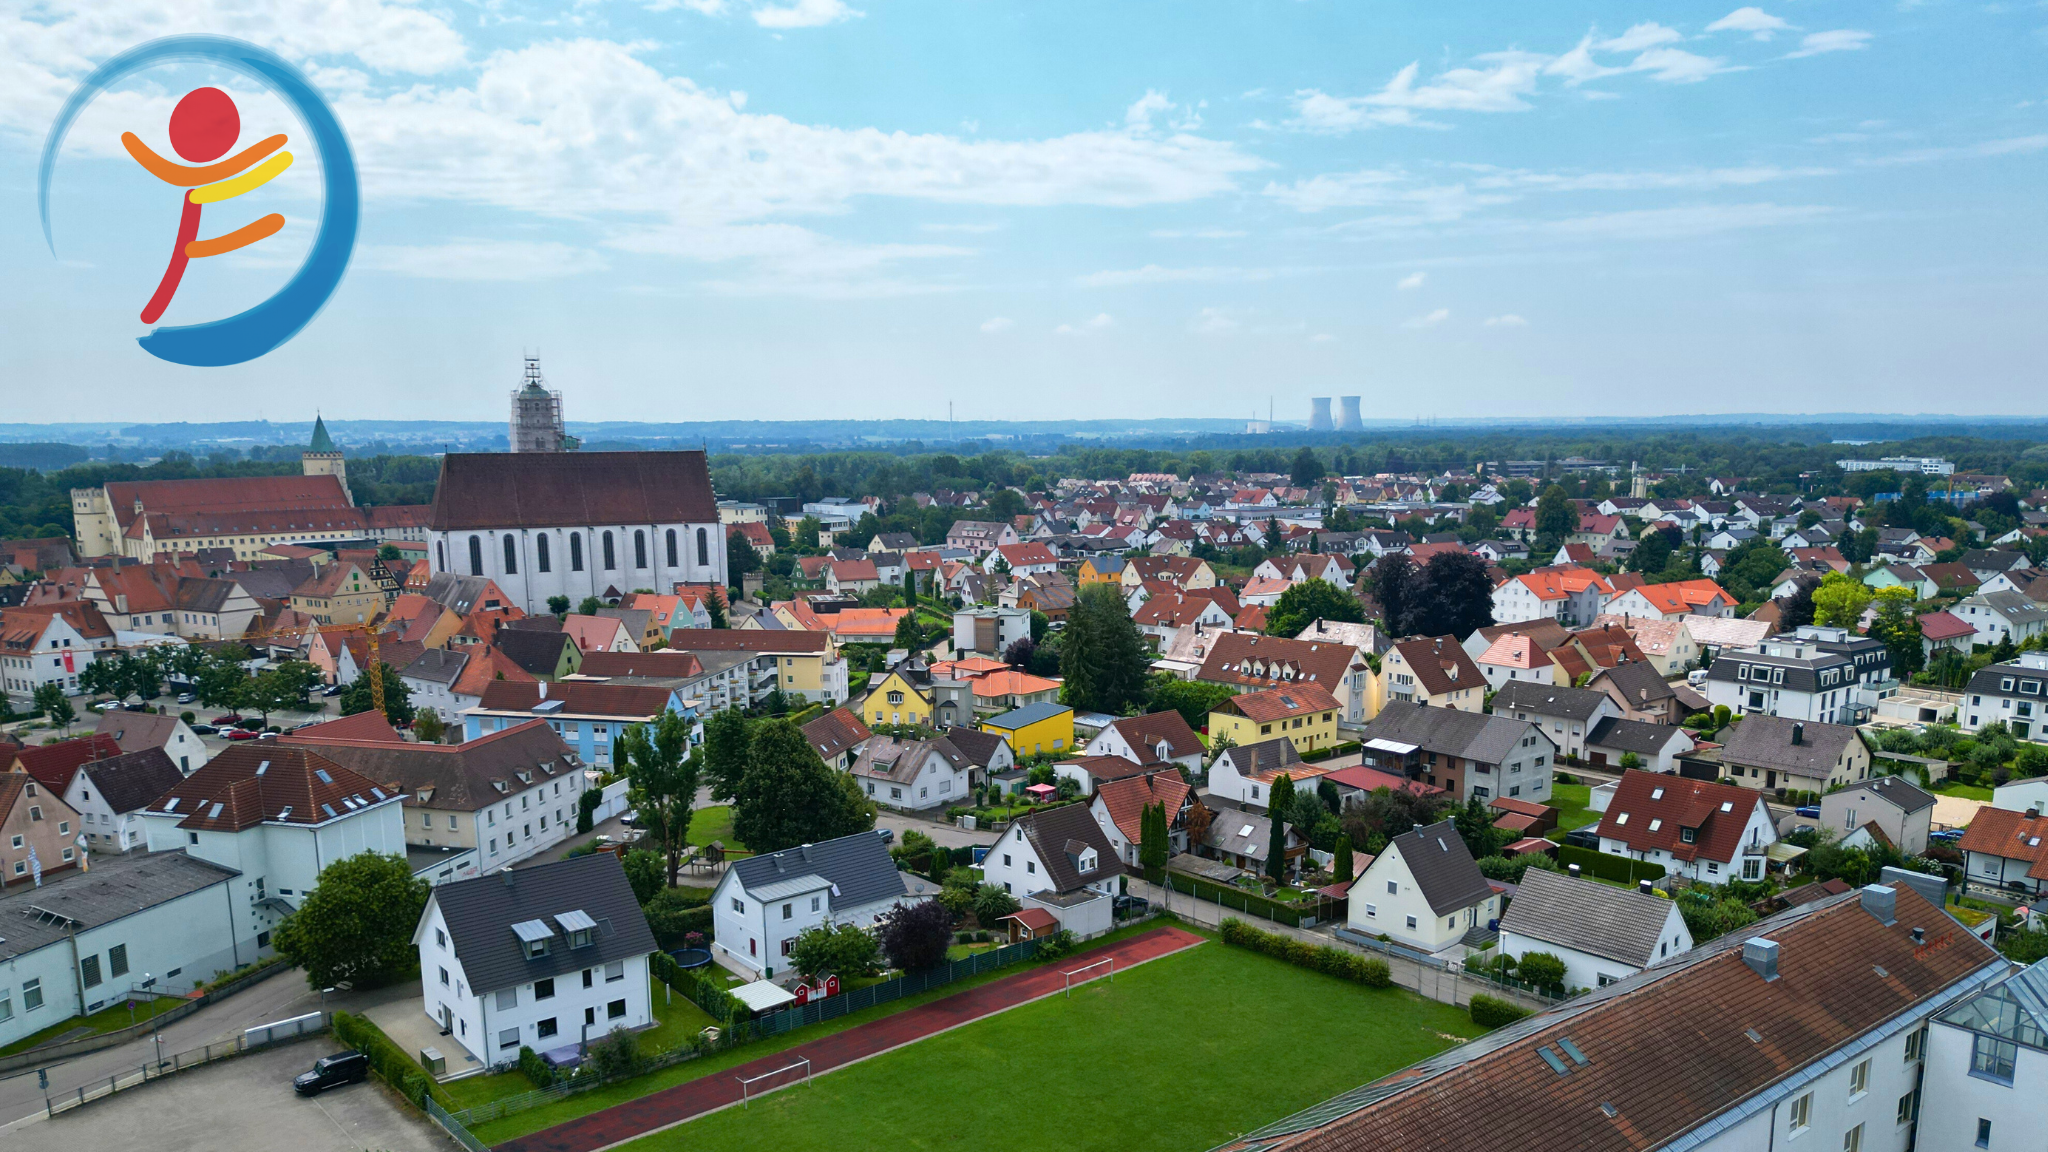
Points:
(871, 208)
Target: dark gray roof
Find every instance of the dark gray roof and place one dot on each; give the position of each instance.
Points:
(1639, 683)
(1228, 833)
(116, 886)
(437, 666)
(980, 747)
(1618, 923)
(1631, 736)
(1897, 790)
(1264, 756)
(858, 866)
(481, 912)
(1548, 700)
(133, 780)
(1051, 832)
(1762, 741)
(1801, 675)
(1441, 865)
(1472, 735)
(537, 652)
(456, 593)
(1987, 681)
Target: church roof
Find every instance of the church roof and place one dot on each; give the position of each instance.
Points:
(322, 442)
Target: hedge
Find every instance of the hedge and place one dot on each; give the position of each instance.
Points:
(722, 1006)
(1315, 754)
(1327, 959)
(1257, 903)
(1494, 1012)
(1619, 869)
(537, 1071)
(387, 1059)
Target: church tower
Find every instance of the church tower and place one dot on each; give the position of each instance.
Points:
(537, 424)
(322, 458)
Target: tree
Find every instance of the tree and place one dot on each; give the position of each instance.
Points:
(1102, 655)
(991, 904)
(910, 590)
(1193, 699)
(644, 871)
(590, 606)
(1710, 913)
(1309, 601)
(1154, 833)
(788, 797)
(1556, 516)
(726, 737)
(559, 605)
(908, 633)
(915, 936)
(1797, 610)
(428, 727)
(358, 697)
(1280, 801)
(662, 772)
(222, 680)
(841, 950)
(102, 677)
(807, 533)
(1307, 469)
(1652, 552)
(1276, 844)
(276, 689)
(1898, 629)
(357, 923)
(1455, 597)
(714, 604)
(1475, 827)
(1343, 863)
(1393, 585)
(740, 558)
(1840, 600)
(49, 699)
(1543, 969)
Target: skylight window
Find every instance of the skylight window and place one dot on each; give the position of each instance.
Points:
(1656, 824)
(1727, 805)
(322, 774)
(1621, 819)
(1656, 793)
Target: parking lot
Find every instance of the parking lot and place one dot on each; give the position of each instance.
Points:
(241, 1105)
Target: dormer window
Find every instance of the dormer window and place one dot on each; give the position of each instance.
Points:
(535, 948)
(1688, 835)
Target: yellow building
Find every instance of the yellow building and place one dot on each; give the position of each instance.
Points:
(1101, 570)
(1304, 712)
(1034, 729)
(341, 594)
(896, 700)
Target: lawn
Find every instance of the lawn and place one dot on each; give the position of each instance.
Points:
(676, 1018)
(1570, 801)
(713, 823)
(105, 1020)
(1964, 791)
(1165, 1058)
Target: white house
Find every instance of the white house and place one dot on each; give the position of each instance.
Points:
(2002, 616)
(2013, 694)
(110, 795)
(545, 957)
(141, 731)
(1059, 860)
(1602, 933)
(1987, 1059)
(1424, 891)
(914, 775)
(1564, 714)
(1700, 829)
(1158, 737)
(50, 644)
(577, 524)
(765, 902)
(1901, 811)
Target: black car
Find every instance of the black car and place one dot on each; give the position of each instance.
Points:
(1128, 906)
(888, 835)
(332, 1072)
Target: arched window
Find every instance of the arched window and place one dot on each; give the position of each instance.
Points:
(611, 562)
(703, 549)
(540, 553)
(575, 551)
(639, 549)
(511, 555)
(476, 555)
(672, 548)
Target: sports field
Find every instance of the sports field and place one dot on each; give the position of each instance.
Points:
(1178, 1055)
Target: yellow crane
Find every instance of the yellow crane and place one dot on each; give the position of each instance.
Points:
(369, 631)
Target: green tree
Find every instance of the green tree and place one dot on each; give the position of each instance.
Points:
(1710, 912)
(1280, 801)
(740, 559)
(1309, 601)
(662, 772)
(991, 904)
(726, 738)
(49, 699)
(788, 797)
(1193, 699)
(915, 937)
(1276, 846)
(1652, 552)
(1475, 827)
(357, 923)
(1453, 597)
(714, 604)
(280, 687)
(645, 871)
(1307, 469)
(590, 606)
(1556, 516)
(359, 695)
(910, 590)
(1343, 862)
(908, 634)
(843, 950)
(222, 680)
(1840, 600)
(559, 605)
(1543, 969)
(807, 533)
(1898, 629)
(427, 725)
(1102, 655)
(102, 677)
(1155, 843)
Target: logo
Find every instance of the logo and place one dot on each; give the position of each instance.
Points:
(203, 128)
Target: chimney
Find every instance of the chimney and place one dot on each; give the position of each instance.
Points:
(1574, 869)
(544, 691)
(507, 873)
(1644, 887)
(1919, 935)
(1762, 957)
(1798, 734)
(1319, 623)
(1881, 902)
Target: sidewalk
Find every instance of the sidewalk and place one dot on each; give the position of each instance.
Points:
(708, 1093)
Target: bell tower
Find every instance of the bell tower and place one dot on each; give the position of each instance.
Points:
(322, 458)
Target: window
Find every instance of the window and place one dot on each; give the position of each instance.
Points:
(511, 555)
(1993, 1058)
(787, 909)
(740, 906)
(544, 989)
(1031, 866)
(1983, 1132)
(476, 555)
(89, 970)
(31, 994)
(1802, 1113)
(1372, 910)
(616, 970)
(615, 1009)
(672, 548)
(540, 553)
(1411, 922)
(1852, 1140)
(1006, 860)
(117, 960)
(590, 1015)
(575, 552)
(814, 903)
(444, 977)
(589, 977)
(610, 559)
(545, 1028)
(509, 1038)
(440, 938)
(639, 548)
(703, 549)
(6, 1005)
(1915, 1041)
(1859, 1079)
(1906, 1103)
(508, 998)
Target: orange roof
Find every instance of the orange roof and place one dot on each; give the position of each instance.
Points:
(1558, 583)
(485, 665)
(1512, 650)
(1010, 682)
(2011, 835)
(371, 726)
(1126, 799)
(660, 609)
(966, 669)
(868, 621)
(1299, 699)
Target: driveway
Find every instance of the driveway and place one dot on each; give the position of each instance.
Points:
(241, 1105)
(945, 835)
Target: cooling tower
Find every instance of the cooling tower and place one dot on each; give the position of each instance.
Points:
(1319, 415)
(1347, 414)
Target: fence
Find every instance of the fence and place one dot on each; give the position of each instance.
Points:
(1238, 899)
(49, 1054)
(453, 1127)
(255, 1039)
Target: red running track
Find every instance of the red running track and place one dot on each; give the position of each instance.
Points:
(708, 1093)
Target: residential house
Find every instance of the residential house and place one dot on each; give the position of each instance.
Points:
(1546, 632)
(1090, 772)
(1642, 693)
(38, 829)
(1901, 812)
(2003, 849)
(1673, 601)
(1905, 576)
(1769, 752)
(902, 696)
(837, 737)
(805, 665)
(1468, 755)
(1516, 659)
(980, 536)
(550, 958)
(1699, 829)
(1565, 714)
(1945, 632)
(600, 633)
(1032, 559)
(1572, 596)
(1249, 660)
(2003, 616)
(1164, 617)
(1243, 838)
(342, 593)
(1305, 713)
(989, 631)
(852, 577)
(1183, 572)
(544, 654)
(1425, 892)
(1034, 729)
(589, 716)
(1657, 747)
(1244, 775)
(1433, 671)
(50, 644)
(1720, 634)
(763, 903)
(914, 775)
(142, 731)
(107, 794)
(1668, 644)
(1982, 1058)
(2013, 694)
(1602, 933)
(1119, 809)
(1790, 677)
(1103, 568)
(1060, 860)
(1155, 738)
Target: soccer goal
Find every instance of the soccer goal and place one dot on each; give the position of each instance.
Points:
(1110, 961)
(747, 1082)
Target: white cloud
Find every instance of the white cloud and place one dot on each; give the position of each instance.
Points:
(1242, 322)
(1154, 274)
(1760, 24)
(1506, 320)
(1684, 179)
(1430, 320)
(1214, 322)
(995, 324)
(1645, 35)
(495, 261)
(1197, 233)
(1097, 323)
(1407, 198)
(1141, 111)
(1412, 281)
(805, 14)
(1681, 222)
(1839, 40)
(788, 260)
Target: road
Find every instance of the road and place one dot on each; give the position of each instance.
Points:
(278, 998)
(945, 835)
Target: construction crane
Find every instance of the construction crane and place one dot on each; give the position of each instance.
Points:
(369, 632)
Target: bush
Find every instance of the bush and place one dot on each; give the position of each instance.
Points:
(537, 1071)
(1327, 959)
(915, 936)
(1620, 869)
(1542, 969)
(706, 993)
(676, 912)
(189, 717)
(991, 904)
(1494, 1012)
(1060, 943)
(616, 1056)
(386, 1058)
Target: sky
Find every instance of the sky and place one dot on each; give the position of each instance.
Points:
(709, 209)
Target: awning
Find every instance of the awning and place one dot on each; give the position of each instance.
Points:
(1783, 853)
(762, 996)
(1394, 746)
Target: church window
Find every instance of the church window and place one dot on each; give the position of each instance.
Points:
(511, 555)
(703, 549)
(639, 548)
(540, 553)
(672, 548)
(575, 552)
(611, 562)
(476, 555)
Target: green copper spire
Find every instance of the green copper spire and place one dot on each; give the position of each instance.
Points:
(322, 442)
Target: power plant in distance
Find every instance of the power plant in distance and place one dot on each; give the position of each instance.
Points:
(1347, 420)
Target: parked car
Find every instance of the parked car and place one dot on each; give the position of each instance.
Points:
(138, 706)
(1131, 906)
(226, 720)
(107, 706)
(888, 835)
(332, 1072)
(239, 734)
(1810, 811)
(204, 729)
(186, 697)
(331, 690)
(632, 815)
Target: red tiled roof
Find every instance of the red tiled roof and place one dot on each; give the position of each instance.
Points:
(370, 725)
(254, 783)
(2011, 835)
(1126, 799)
(737, 640)
(572, 489)
(54, 764)
(1945, 626)
(1435, 659)
(1372, 780)
(1149, 731)
(1299, 699)
(1717, 813)
(579, 697)
(1252, 659)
